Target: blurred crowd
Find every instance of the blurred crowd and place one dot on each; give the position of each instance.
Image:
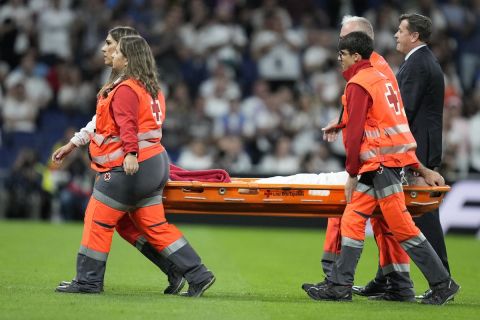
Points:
(249, 85)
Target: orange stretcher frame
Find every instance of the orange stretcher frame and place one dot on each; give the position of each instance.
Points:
(245, 197)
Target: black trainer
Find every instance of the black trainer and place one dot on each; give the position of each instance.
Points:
(74, 287)
(196, 290)
(442, 293)
(331, 292)
(398, 296)
(372, 289)
(307, 286)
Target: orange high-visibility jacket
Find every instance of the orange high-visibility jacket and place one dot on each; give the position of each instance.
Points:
(380, 64)
(106, 147)
(387, 138)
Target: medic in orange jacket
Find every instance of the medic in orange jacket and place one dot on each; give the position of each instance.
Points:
(118, 132)
(382, 138)
(132, 170)
(392, 257)
(379, 144)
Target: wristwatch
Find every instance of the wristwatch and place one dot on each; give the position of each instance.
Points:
(134, 154)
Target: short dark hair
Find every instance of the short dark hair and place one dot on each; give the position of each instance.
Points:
(418, 23)
(357, 42)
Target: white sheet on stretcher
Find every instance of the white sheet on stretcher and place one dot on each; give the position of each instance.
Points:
(332, 178)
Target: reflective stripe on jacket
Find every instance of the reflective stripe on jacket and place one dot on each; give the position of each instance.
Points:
(387, 139)
(106, 146)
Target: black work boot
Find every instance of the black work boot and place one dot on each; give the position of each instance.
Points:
(442, 293)
(89, 279)
(74, 287)
(176, 282)
(399, 288)
(331, 292)
(307, 286)
(68, 283)
(372, 289)
(398, 296)
(188, 263)
(196, 290)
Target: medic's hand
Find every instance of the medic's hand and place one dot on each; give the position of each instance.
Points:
(130, 164)
(350, 186)
(62, 152)
(432, 178)
(330, 132)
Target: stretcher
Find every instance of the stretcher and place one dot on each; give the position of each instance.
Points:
(246, 197)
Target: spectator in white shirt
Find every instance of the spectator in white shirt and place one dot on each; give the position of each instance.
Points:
(224, 39)
(19, 113)
(282, 161)
(277, 51)
(195, 156)
(37, 87)
(218, 90)
(54, 25)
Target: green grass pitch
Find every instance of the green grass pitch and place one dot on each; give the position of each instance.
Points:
(259, 273)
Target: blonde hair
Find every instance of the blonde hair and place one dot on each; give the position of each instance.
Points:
(141, 64)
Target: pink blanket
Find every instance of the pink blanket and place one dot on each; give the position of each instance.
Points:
(211, 175)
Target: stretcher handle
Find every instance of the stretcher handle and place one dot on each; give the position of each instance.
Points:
(249, 189)
(424, 203)
(194, 186)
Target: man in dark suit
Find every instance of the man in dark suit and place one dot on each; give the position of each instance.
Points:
(422, 87)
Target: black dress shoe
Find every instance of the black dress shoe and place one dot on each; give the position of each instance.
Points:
(372, 289)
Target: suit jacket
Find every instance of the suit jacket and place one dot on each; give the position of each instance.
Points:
(421, 83)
